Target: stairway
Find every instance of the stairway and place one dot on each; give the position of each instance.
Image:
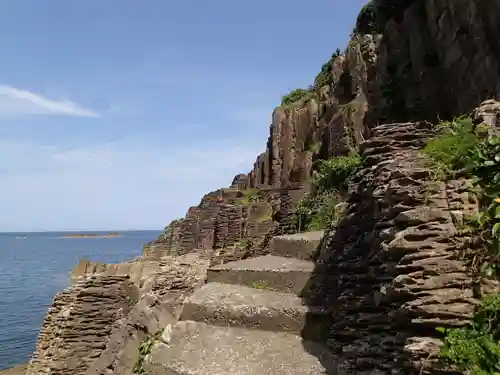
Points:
(249, 320)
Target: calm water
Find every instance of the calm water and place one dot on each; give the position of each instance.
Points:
(35, 266)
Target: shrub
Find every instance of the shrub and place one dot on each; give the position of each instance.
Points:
(260, 284)
(452, 150)
(476, 347)
(366, 22)
(265, 216)
(333, 173)
(295, 96)
(249, 196)
(144, 350)
(324, 77)
(316, 212)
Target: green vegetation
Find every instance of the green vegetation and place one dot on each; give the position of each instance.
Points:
(145, 350)
(451, 151)
(376, 13)
(261, 284)
(315, 147)
(316, 211)
(319, 209)
(267, 215)
(476, 347)
(324, 77)
(333, 173)
(366, 22)
(249, 196)
(470, 150)
(295, 96)
(243, 244)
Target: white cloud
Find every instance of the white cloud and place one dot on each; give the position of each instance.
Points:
(15, 102)
(120, 185)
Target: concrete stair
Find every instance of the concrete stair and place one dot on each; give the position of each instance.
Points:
(276, 273)
(241, 306)
(299, 245)
(249, 319)
(201, 349)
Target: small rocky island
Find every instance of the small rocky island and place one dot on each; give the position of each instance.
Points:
(92, 235)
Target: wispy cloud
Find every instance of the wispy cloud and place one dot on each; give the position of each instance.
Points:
(17, 103)
(124, 184)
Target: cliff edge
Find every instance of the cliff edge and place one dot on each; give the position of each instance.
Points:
(341, 250)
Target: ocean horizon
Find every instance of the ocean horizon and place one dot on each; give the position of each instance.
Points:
(34, 266)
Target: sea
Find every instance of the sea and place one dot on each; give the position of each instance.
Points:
(34, 267)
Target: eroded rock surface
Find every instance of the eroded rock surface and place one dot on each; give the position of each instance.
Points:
(77, 326)
(160, 304)
(393, 270)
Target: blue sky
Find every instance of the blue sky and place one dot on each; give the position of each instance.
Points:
(121, 114)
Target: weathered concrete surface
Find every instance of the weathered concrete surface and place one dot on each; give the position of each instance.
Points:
(279, 273)
(199, 349)
(237, 305)
(299, 245)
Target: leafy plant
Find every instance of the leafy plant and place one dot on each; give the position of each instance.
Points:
(144, 350)
(324, 77)
(318, 210)
(261, 284)
(249, 196)
(476, 347)
(333, 173)
(267, 215)
(465, 147)
(366, 22)
(296, 95)
(315, 147)
(243, 244)
(452, 150)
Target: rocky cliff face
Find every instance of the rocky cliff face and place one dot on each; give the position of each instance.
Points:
(392, 269)
(440, 58)
(77, 325)
(393, 273)
(437, 59)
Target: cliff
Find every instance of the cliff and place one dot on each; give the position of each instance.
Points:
(388, 271)
(434, 60)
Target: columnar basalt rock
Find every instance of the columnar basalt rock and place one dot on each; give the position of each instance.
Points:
(95, 326)
(439, 58)
(78, 323)
(160, 304)
(392, 271)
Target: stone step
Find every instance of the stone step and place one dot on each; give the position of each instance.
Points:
(241, 306)
(196, 348)
(271, 272)
(299, 245)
